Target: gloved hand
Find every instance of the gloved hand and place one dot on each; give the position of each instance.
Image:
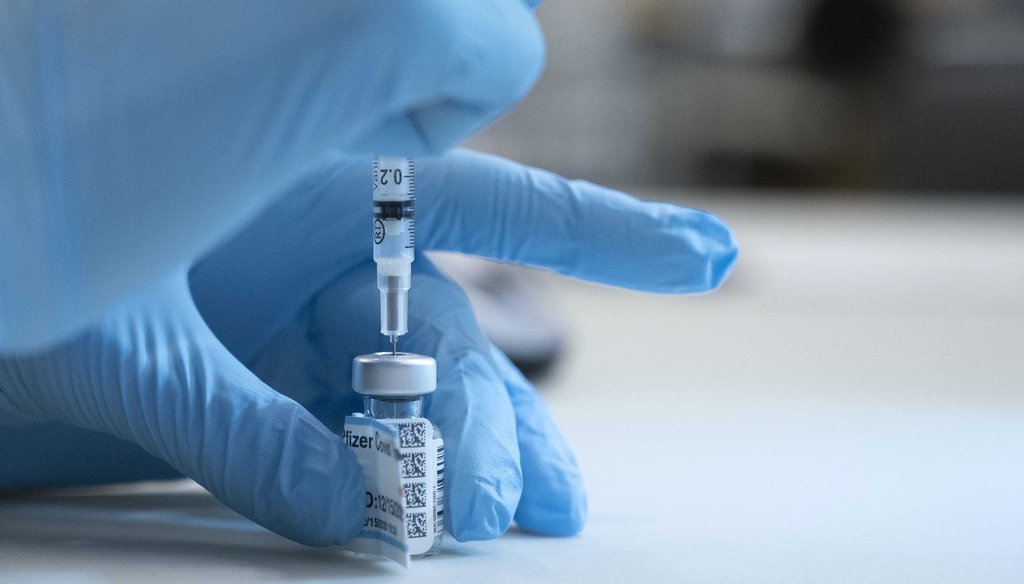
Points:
(136, 135)
(239, 380)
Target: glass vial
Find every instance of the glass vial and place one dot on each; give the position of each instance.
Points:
(393, 386)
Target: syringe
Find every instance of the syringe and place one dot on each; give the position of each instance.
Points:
(394, 240)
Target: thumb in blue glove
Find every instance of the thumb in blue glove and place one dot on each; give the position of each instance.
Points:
(152, 374)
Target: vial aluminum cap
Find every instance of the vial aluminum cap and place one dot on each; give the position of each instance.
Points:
(394, 374)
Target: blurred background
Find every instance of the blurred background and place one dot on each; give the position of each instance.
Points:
(849, 406)
(873, 94)
(868, 154)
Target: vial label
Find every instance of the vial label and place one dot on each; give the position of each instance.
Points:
(422, 454)
(377, 450)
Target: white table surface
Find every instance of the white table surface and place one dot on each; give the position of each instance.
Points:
(849, 408)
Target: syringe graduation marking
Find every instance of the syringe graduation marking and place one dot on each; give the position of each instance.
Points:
(412, 204)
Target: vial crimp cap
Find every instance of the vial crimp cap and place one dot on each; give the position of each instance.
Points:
(394, 374)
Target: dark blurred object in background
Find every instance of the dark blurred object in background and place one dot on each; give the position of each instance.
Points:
(857, 39)
(825, 94)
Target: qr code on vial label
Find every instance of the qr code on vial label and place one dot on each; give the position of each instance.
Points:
(415, 494)
(414, 464)
(412, 434)
(416, 524)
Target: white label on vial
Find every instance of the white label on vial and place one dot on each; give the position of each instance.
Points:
(422, 481)
(376, 447)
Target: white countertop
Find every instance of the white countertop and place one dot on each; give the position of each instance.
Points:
(849, 408)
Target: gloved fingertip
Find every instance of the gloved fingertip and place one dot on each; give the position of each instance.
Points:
(292, 475)
(708, 251)
(331, 517)
(352, 513)
(722, 250)
(557, 520)
(720, 267)
(485, 515)
(555, 502)
(483, 475)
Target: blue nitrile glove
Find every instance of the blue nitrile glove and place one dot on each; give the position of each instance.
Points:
(293, 298)
(136, 135)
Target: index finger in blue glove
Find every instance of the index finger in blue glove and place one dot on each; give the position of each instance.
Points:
(503, 210)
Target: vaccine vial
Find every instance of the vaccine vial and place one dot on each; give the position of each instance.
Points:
(393, 386)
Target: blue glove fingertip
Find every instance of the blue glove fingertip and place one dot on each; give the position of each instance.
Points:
(707, 239)
(485, 515)
(483, 477)
(563, 510)
(554, 501)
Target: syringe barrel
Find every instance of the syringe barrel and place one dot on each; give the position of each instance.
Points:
(394, 239)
